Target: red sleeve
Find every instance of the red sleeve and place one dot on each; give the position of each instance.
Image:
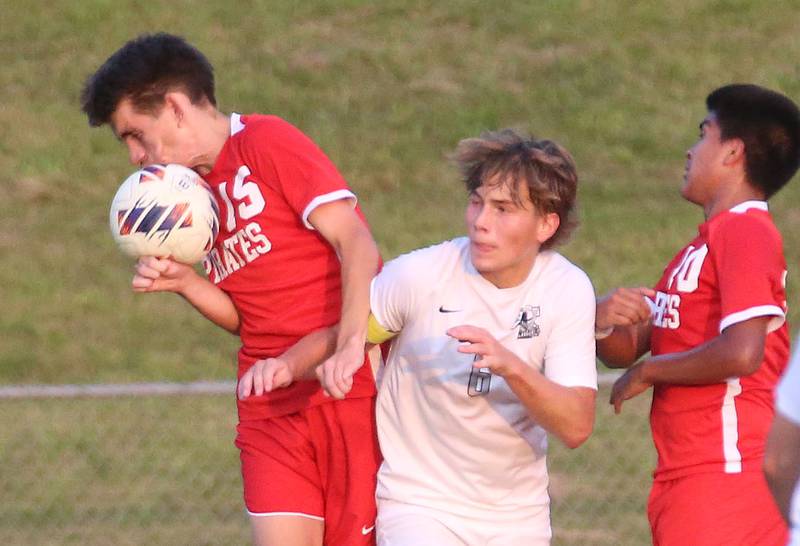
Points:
(304, 174)
(748, 255)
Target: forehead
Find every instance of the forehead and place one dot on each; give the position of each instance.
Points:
(126, 118)
(710, 122)
(505, 189)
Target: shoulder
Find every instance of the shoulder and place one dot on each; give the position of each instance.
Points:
(743, 222)
(429, 262)
(566, 274)
(266, 126)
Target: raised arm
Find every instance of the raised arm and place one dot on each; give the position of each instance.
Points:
(622, 326)
(165, 275)
(566, 412)
(339, 224)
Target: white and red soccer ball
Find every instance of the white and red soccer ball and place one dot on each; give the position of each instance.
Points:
(165, 211)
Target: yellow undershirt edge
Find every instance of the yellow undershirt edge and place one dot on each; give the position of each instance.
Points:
(376, 333)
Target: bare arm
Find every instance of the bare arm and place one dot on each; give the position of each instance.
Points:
(296, 363)
(566, 412)
(625, 312)
(165, 275)
(350, 237)
(736, 352)
(782, 461)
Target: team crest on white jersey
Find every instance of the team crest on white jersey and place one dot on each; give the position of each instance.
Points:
(526, 322)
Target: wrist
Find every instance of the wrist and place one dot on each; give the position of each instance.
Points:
(647, 371)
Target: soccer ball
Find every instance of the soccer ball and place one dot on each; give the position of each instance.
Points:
(165, 210)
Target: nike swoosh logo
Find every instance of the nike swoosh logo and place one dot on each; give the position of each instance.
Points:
(367, 530)
(443, 310)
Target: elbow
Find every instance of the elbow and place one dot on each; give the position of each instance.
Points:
(578, 435)
(747, 361)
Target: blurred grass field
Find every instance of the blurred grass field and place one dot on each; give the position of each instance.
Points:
(387, 88)
(147, 471)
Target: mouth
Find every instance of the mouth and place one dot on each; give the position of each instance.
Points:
(481, 247)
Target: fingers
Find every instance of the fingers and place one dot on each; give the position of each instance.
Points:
(245, 385)
(623, 307)
(336, 376)
(468, 334)
(264, 376)
(616, 398)
(141, 284)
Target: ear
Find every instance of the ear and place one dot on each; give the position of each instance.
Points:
(548, 226)
(733, 152)
(177, 104)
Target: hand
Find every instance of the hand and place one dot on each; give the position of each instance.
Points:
(336, 373)
(623, 307)
(631, 384)
(492, 353)
(265, 376)
(161, 275)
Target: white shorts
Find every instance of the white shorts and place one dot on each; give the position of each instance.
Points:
(401, 524)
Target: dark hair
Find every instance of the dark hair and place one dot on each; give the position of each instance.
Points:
(144, 70)
(507, 157)
(769, 125)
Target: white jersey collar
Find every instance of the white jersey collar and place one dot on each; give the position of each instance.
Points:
(747, 205)
(236, 123)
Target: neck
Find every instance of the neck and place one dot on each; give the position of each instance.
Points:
(730, 195)
(213, 130)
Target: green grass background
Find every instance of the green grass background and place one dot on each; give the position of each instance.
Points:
(387, 88)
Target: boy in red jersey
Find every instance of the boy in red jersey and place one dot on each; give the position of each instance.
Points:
(715, 328)
(293, 256)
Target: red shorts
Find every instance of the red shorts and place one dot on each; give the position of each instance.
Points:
(715, 510)
(320, 462)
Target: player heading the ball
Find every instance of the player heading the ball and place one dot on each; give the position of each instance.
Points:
(292, 257)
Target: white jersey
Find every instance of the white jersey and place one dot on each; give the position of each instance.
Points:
(453, 437)
(787, 403)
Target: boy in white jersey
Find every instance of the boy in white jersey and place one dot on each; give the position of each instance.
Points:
(494, 349)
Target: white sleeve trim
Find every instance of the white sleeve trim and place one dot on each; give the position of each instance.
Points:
(758, 311)
(327, 198)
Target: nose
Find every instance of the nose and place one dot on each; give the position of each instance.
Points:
(136, 154)
(480, 219)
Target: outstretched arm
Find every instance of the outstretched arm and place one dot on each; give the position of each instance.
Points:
(736, 352)
(567, 412)
(350, 237)
(297, 363)
(165, 275)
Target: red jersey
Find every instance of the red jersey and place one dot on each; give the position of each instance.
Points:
(283, 277)
(734, 270)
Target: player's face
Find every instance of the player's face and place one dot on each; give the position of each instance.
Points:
(150, 138)
(704, 163)
(505, 236)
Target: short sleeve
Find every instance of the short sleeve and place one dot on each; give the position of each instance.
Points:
(392, 293)
(750, 267)
(570, 353)
(304, 174)
(787, 394)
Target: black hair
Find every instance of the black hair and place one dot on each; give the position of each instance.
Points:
(144, 70)
(768, 123)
